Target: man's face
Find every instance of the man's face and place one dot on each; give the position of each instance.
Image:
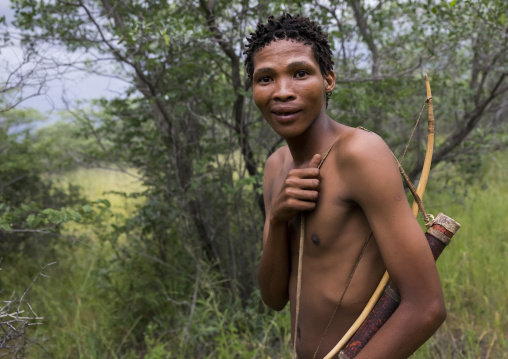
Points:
(288, 86)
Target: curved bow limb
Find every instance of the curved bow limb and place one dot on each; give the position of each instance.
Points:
(420, 191)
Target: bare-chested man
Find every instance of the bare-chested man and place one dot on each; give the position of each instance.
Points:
(356, 192)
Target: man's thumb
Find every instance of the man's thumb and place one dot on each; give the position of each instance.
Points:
(314, 162)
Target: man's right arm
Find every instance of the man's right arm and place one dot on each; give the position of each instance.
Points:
(274, 267)
(299, 192)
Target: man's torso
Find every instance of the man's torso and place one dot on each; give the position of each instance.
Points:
(335, 233)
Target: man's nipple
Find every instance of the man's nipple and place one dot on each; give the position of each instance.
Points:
(315, 239)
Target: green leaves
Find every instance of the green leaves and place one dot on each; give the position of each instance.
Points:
(29, 216)
(32, 221)
(502, 19)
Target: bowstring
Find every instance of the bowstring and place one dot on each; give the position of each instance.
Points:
(414, 128)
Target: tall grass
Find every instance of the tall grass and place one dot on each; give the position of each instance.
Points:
(86, 318)
(81, 316)
(473, 268)
(102, 183)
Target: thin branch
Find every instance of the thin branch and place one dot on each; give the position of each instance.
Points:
(186, 330)
(382, 77)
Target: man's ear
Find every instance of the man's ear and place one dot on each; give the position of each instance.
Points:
(329, 79)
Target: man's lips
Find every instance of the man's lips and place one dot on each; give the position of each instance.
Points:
(284, 113)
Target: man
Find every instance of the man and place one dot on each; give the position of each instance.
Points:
(355, 209)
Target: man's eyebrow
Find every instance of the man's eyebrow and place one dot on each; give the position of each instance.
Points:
(263, 70)
(292, 65)
(298, 64)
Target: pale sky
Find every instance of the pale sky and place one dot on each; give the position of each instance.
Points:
(75, 85)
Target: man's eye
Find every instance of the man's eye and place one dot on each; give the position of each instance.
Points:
(301, 73)
(264, 79)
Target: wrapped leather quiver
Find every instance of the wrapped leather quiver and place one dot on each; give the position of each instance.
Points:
(439, 235)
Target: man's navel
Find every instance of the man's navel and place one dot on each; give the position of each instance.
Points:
(315, 239)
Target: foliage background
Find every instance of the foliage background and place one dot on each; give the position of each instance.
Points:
(151, 202)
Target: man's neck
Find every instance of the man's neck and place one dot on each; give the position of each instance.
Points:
(315, 140)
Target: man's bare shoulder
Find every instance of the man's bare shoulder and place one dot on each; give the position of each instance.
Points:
(273, 166)
(358, 145)
(366, 164)
(277, 158)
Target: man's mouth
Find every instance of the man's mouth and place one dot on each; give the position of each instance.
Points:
(285, 113)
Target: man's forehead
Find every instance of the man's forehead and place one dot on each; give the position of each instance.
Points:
(280, 50)
(281, 42)
(291, 65)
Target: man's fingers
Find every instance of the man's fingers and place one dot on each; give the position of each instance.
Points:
(304, 183)
(309, 196)
(301, 205)
(314, 162)
(301, 194)
(309, 172)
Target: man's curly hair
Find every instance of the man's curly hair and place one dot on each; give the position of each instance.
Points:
(299, 29)
(287, 27)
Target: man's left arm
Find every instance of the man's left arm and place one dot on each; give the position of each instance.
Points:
(375, 184)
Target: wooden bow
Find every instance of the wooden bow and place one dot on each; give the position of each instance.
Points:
(420, 191)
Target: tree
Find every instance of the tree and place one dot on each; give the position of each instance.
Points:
(458, 44)
(180, 122)
(29, 205)
(188, 125)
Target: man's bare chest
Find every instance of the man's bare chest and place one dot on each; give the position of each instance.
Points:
(336, 220)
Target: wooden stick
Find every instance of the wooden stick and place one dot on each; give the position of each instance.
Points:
(366, 311)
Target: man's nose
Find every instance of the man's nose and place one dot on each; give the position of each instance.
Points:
(284, 90)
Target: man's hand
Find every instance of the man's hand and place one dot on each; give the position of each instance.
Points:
(299, 192)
